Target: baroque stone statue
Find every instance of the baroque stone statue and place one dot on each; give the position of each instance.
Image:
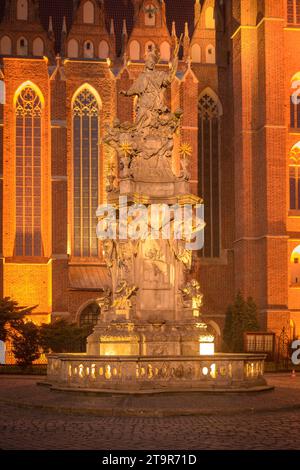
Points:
(145, 148)
(150, 293)
(149, 87)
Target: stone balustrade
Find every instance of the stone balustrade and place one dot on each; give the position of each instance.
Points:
(220, 371)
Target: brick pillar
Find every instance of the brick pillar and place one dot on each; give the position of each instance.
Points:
(272, 137)
(260, 246)
(189, 129)
(59, 197)
(124, 104)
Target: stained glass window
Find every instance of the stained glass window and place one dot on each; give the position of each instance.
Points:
(85, 160)
(28, 173)
(209, 144)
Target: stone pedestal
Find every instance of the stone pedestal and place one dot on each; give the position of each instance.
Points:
(146, 338)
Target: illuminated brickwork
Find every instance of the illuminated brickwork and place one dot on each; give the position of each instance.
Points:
(239, 61)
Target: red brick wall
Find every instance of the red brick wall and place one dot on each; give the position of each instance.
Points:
(256, 58)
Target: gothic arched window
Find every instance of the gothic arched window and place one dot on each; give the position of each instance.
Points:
(88, 50)
(89, 316)
(150, 14)
(165, 51)
(73, 48)
(196, 53)
(85, 174)
(135, 50)
(295, 266)
(209, 18)
(210, 54)
(22, 10)
(294, 177)
(22, 47)
(5, 45)
(28, 111)
(38, 47)
(209, 163)
(293, 11)
(88, 12)
(150, 46)
(103, 50)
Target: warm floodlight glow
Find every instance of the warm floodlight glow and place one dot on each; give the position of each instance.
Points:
(119, 349)
(295, 255)
(206, 345)
(294, 155)
(207, 349)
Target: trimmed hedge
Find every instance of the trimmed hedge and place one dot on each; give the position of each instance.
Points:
(275, 367)
(8, 369)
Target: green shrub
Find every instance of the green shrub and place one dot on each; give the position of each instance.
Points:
(10, 312)
(12, 369)
(61, 336)
(240, 318)
(25, 343)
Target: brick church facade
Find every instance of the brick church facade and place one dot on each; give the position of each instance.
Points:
(63, 65)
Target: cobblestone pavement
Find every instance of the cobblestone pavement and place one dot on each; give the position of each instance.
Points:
(34, 429)
(25, 392)
(37, 428)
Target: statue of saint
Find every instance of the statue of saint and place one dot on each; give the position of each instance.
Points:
(150, 87)
(145, 148)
